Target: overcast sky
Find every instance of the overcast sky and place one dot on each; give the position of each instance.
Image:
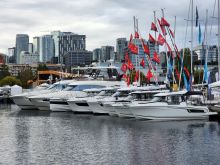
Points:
(102, 21)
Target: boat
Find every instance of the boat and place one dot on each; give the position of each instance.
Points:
(95, 103)
(79, 104)
(180, 105)
(110, 105)
(137, 98)
(22, 100)
(58, 101)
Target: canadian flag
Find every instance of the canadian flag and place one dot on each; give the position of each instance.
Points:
(163, 22)
(145, 47)
(142, 63)
(153, 27)
(156, 58)
(149, 75)
(124, 67)
(151, 39)
(160, 40)
(133, 48)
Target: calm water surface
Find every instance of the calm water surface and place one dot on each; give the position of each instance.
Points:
(33, 137)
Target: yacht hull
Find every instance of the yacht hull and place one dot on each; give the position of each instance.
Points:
(40, 104)
(97, 108)
(79, 106)
(59, 106)
(24, 103)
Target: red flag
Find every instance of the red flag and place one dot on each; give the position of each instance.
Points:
(126, 57)
(136, 76)
(124, 76)
(187, 72)
(131, 37)
(149, 75)
(177, 74)
(145, 47)
(136, 35)
(124, 67)
(133, 48)
(142, 63)
(161, 40)
(153, 27)
(130, 66)
(171, 32)
(151, 39)
(163, 22)
(156, 58)
(162, 28)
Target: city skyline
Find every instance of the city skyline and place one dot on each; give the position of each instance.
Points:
(102, 22)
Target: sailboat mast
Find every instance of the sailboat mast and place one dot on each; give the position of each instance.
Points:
(155, 45)
(192, 38)
(138, 60)
(218, 39)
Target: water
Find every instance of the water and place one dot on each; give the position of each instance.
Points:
(34, 137)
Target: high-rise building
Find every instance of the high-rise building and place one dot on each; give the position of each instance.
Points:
(67, 41)
(11, 55)
(36, 45)
(97, 53)
(22, 41)
(107, 53)
(212, 55)
(30, 48)
(46, 48)
(121, 46)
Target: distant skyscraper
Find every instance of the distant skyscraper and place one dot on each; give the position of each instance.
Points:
(67, 41)
(11, 54)
(28, 58)
(36, 45)
(22, 41)
(46, 48)
(121, 45)
(30, 48)
(97, 53)
(107, 53)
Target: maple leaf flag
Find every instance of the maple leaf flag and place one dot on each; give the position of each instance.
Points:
(142, 63)
(163, 22)
(145, 47)
(149, 75)
(156, 58)
(153, 27)
(124, 67)
(160, 40)
(151, 39)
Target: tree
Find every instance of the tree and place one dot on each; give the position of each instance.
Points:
(25, 76)
(4, 71)
(10, 80)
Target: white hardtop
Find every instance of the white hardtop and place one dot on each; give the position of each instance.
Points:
(171, 93)
(93, 90)
(214, 85)
(153, 91)
(64, 82)
(146, 88)
(95, 82)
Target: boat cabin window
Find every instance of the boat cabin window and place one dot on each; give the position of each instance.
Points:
(70, 87)
(106, 93)
(174, 99)
(142, 96)
(83, 87)
(121, 94)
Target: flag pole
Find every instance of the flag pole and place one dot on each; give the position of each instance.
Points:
(155, 45)
(192, 16)
(138, 59)
(218, 39)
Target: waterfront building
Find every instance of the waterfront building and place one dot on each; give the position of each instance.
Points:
(121, 46)
(28, 58)
(78, 58)
(22, 41)
(46, 48)
(97, 54)
(200, 51)
(107, 53)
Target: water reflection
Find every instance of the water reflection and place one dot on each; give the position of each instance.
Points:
(32, 137)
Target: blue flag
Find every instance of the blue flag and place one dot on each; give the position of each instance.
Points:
(200, 35)
(205, 73)
(185, 82)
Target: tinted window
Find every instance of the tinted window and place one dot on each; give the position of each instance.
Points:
(83, 87)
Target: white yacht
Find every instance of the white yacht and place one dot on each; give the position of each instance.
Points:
(179, 105)
(22, 100)
(58, 101)
(79, 104)
(121, 97)
(95, 103)
(140, 97)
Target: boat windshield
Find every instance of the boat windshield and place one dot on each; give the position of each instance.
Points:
(57, 87)
(69, 87)
(83, 87)
(106, 93)
(121, 94)
(142, 96)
